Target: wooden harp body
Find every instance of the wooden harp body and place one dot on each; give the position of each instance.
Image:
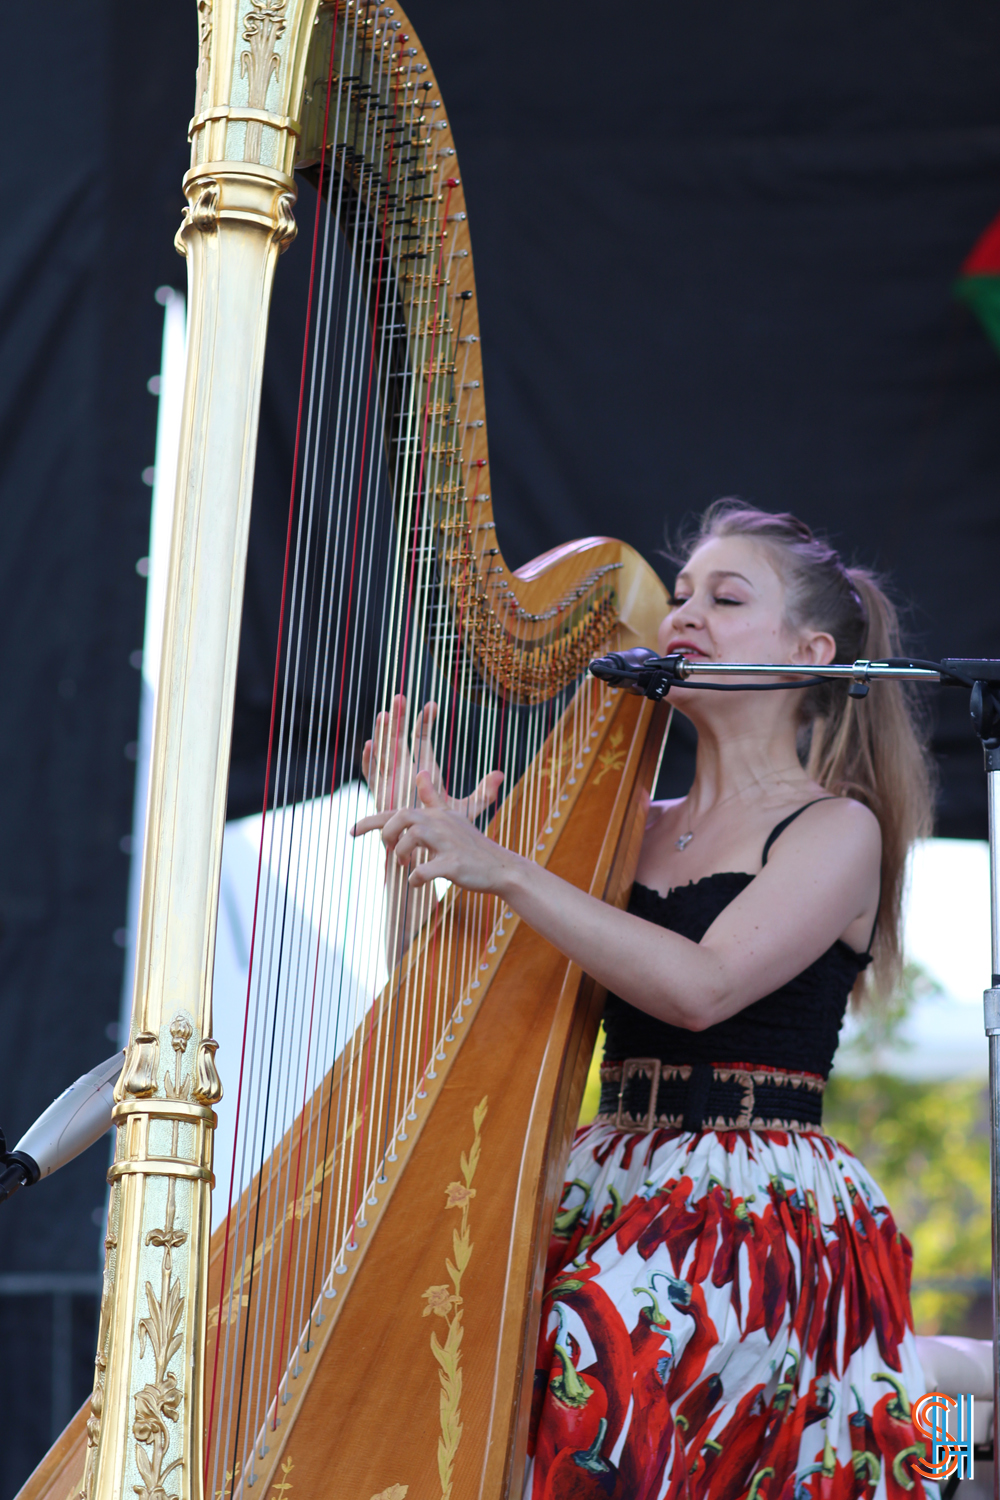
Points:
(362, 1322)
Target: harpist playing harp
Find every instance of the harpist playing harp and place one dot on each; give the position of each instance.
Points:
(727, 1302)
(370, 1316)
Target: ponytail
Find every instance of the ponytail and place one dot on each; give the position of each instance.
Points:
(871, 749)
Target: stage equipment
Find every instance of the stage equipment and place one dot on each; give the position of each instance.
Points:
(364, 1321)
(74, 1121)
(644, 674)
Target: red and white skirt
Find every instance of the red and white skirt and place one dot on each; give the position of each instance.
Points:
(726, 1315)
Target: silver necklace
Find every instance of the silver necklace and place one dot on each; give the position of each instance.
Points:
(685, 838)
(681, 843)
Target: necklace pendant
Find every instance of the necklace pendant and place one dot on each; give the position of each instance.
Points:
(683, 841)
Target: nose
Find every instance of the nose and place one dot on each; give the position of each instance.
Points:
(684, 617)
(687, 613)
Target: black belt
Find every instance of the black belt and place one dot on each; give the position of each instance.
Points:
(643, 1093)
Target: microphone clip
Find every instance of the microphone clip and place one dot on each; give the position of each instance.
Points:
(640, 672)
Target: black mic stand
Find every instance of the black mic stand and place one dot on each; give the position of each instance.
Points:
(986, 718)
(642, 672)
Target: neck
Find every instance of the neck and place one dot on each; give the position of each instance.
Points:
(734, 764)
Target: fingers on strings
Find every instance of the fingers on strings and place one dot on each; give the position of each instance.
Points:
(395, 769)
(389, 763)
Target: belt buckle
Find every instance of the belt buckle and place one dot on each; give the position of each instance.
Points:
(744, 1119)
(631, 1067)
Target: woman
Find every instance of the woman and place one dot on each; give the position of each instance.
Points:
(727, 1309)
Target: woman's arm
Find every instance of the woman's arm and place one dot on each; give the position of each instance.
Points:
(822, 875)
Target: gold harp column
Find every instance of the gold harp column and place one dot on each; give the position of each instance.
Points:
(145, 1434)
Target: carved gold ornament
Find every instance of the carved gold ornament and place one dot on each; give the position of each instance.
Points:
(207, 1083)
(158, 1402)
(204, 210)
(138, 1076)
(286, 228)
(202, 213)
(204, 52)
(263, 28)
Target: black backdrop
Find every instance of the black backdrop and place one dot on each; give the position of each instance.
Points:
(714, 249)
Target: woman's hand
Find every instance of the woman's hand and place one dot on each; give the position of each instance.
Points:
(456, 850)
(391, 767)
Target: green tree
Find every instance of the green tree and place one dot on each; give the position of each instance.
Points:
(926, 1143)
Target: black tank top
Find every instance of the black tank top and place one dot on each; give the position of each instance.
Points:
(795, 1028)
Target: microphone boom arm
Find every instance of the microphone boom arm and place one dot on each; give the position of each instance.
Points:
(642, 672)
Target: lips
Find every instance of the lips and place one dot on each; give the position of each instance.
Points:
(686, 648)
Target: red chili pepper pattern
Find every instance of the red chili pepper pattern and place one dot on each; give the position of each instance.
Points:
(726, 1317)
(573, 1410)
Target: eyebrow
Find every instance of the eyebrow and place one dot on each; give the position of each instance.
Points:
(719, 573)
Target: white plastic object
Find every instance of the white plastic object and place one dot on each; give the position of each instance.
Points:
(957, 1365)
(74, 1121)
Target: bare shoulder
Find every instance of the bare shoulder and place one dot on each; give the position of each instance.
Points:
(840, 823)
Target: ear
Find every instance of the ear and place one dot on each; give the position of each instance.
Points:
(816, 648)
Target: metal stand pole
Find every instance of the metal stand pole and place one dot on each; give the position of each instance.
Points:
(991, 1016)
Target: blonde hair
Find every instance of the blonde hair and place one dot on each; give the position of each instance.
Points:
(873, 748)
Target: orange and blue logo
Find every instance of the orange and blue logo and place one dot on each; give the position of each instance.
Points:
(950, 1452)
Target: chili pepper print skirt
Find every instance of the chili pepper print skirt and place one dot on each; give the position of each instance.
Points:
(726, 1317)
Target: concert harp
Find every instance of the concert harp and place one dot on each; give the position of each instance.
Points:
(362, 1322)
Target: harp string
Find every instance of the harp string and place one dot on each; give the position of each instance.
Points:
(365, 481)
(239, 1095)
(357, 257)
(304, 1190)
(276, 822)
(425, 475)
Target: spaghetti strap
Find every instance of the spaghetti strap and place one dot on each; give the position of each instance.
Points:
(874, 928)
(779, 828)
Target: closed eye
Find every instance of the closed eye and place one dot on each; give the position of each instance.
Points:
(679, 601)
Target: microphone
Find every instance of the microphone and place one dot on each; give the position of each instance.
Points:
(74, 1121)
(639, 671)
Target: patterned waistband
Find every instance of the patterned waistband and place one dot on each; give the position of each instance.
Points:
(643, 1093)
